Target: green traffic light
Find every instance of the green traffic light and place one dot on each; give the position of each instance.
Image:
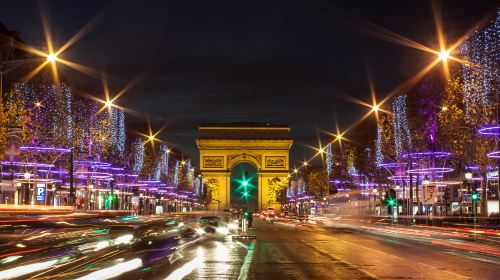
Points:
(392, 202)
(474, 196)
(245, 183)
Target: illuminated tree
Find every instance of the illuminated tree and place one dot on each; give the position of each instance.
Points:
(317, 181)
(13, 114)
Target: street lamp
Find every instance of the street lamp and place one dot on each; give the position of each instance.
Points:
(444, 55)
(108, 103)
(52, 57)
(468, 175)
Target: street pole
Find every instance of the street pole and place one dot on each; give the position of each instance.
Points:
(71, 180)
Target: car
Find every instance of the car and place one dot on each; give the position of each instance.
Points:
(209, 223)
(270, 218)
(214, 225)
(271, 210)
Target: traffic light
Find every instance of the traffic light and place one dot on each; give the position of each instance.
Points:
(390, 197)
(474, 196)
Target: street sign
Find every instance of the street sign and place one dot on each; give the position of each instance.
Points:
(135, 200)
(429, 194)
(40, 192)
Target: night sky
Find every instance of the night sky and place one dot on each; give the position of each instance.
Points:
(259, 61)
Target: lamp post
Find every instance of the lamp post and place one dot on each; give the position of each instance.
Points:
(425, 182)
(468, 179)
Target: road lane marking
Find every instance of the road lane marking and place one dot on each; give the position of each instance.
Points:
(248, 260)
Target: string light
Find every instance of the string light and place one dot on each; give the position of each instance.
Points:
(137, 151)
(117, 131)
(479, 83)
(379, 156)
(402, 135)
(351, 168)
(329, 159)
(176, 174)
(162, 163)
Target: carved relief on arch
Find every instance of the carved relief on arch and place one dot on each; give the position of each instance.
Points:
(234, 159)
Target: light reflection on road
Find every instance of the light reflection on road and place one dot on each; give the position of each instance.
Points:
(188, 267)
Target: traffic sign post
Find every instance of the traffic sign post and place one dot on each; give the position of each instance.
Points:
(40, 192)
(243, 233)
(429, 194)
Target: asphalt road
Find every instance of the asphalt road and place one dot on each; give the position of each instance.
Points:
(152, 248)
(302, 251)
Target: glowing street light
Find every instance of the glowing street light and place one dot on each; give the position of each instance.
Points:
(444, 55)
(27, 175)
(151, 138)
(375, 108)
(444, 108)
(295, 170)
(38, 104)
(108, 103)
(52, 57)
(305, 163)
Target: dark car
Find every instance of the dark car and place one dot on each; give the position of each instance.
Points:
(209, 223)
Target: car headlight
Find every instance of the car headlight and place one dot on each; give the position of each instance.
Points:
(222, 230)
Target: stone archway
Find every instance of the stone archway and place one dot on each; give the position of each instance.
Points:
(223, 146)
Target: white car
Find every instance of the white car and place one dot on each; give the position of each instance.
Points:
(271, 211)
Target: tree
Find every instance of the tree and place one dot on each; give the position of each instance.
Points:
(317, 181)
(458, 131)
(14, 114)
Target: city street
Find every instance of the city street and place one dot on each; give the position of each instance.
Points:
(153, 248)
(249, 140)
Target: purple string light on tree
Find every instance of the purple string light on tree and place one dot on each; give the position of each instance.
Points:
(481, 75)
(137, 151)
(379, 156)
(329, 159)
(402, 136)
